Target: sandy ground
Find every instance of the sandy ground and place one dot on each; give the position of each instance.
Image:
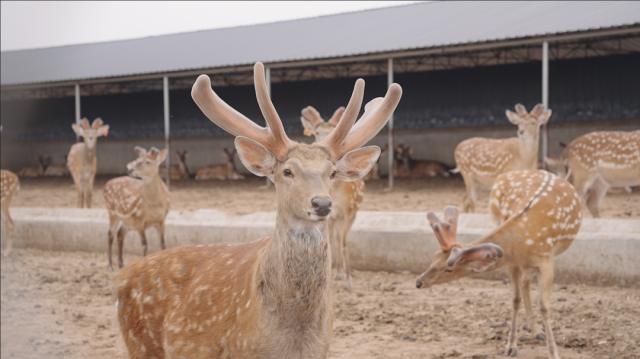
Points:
(246, 196)
(61, 304)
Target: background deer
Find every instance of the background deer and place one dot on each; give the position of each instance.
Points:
(539, 215)
(265, 299)
(137, 203)
(481, 160)
(420, 168)
(221, 171)
(375, 171)
(33, 171)
(10, 185)
(57, 169)
(82, 160)
(346, 196)
(177, 171)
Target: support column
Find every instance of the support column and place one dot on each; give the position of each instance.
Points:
(390, 126)
(165, 89)
(545, 100)
(77, 108)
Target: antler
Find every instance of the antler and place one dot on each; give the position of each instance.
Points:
(337, 115)
(346, 136)
(96, 123)
(537, 110)
(445, 231)
(273, 138)
(521, 110)
(85, 123)
(311, 114)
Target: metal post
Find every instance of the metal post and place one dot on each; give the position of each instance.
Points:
(545, 100)
(390, 126)
(165, 89)
(77, 108)
(267, 78)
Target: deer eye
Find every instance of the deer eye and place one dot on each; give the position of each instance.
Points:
(287, 173)
(333, 175)
(148, 162)
(449, 270)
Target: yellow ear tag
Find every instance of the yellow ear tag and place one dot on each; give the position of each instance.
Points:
(307, 132)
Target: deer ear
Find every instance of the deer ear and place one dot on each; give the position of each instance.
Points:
(162, 155)
(544, 117)
(103, 130)
(308, 127)
(357, 163)
(140, 151)
(77, 129)
(478, 258)
(255, 157)
(513, 117)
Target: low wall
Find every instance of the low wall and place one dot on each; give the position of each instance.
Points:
(604, 253)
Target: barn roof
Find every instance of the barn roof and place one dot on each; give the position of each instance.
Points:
(400, 28)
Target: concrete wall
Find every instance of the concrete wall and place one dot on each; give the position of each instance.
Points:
(605, 252)
(437, 144)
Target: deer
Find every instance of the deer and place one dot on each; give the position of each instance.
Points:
(270, 298)
(137, 201)
(10, 185)
(420, 168)
(481, 160)
(220, 171)
(178, 171)
(82, 161)
(538, 216)
(346, 196)
(33, 171)
(375, 171)
(57, 169)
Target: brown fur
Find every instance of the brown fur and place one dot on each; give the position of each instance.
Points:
(538, 216)
(82, 161)
(10, 185)
(57, 169)
(177, 171)
(33, 171)
(222, 171)
(420, 168)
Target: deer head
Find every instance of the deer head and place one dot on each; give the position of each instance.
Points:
(146, 165)
(303, 174)
(90, 133)
(455, 260)
(529, 122)
(315, 125)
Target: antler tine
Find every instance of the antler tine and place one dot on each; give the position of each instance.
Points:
(445, 231)
(97, 123)
(521, 110)
(311, 114)
(334, 141)
(337, 115)
(85, 123)
(377, 113)
(537, 110)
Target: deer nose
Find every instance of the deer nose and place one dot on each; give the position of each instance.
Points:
(418, 284)
(322, 206)
(520, 133)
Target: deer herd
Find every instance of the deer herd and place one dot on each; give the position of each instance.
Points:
(271, 298)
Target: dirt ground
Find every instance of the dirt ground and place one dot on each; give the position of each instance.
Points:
(61, 304)
(246, 196)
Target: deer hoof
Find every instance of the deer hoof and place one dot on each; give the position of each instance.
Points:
(511, 352)
(541, 336)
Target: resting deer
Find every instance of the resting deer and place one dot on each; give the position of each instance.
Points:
(82, 160)
(265, 299)
(57, 169)
(346, 196)
(375, 171)
(221, 171)
(10, 186)
(138, 201)
(421, 168)
(481, 160)
(178, 171)
(399, 170)
(539, 215)
(33, 171)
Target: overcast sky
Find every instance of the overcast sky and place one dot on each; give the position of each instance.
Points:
(28, 25)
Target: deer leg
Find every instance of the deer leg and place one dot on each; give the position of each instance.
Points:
(121, 235)
(597, 192)
(334, 233)
(80, 192)
(469, 199)
(9, 222)
(512, 344)
(160, 229)
(545, 280)
(143, 239)
(113, 231)
(345, 251)
(531, 320)
(89, 191)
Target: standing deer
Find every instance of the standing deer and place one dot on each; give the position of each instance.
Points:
(347, 196)
(481, 160)
(539, 215)
(10, 186)
(82, 160)
(178, 171)
(137, 203)
(421, 168)
(33, 171)
(57, 169)
(220, 171)
(598, 161)
(265, 299)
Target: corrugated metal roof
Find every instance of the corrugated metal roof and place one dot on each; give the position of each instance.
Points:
(398, 28)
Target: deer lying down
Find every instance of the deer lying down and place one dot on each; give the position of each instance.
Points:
(57, 169)
(222, 171)
(539, 216)
(421, 168)
(178, 171)
(33, 171)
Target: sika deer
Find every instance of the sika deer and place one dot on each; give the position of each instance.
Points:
(58, 169)
(600, 160)
(137, 203)
(10, 185)
(539, 215)
(481, 160)
(179, 171)
(33, 171)
(82, 160)
(347, 196)
(265, 299)
(421, 168)
(375, 171)
(220, 171)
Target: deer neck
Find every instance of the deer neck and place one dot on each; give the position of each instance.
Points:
(153, 189)
(89, 153)
(528, 150)
(295, 270)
